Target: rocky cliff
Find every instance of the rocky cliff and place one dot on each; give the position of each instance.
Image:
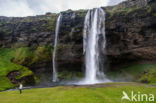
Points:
(130, 33)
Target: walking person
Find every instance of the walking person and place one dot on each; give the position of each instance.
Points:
(20, 88)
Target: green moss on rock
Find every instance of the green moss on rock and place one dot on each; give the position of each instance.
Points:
(67, 75)
(51, 19)
(30, 57)
(149, 76)
(7, 66)
(145, 73)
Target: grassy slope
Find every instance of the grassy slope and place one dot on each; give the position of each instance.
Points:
(7, 66)
(12, 59)
(5, 83)
(138, 72)
(107, 93)
(143, 72)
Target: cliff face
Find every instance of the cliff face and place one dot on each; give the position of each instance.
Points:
(40, 30)
(28, 31)
(30, 41)
(130, 33)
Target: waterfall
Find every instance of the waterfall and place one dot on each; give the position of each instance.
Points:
(55, 75)
(93, 35)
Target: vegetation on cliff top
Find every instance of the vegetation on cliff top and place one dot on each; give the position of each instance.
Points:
(115, 11)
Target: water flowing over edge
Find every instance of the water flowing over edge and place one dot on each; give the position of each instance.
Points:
(55, 74)
(94, 30)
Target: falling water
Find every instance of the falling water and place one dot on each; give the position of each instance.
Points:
(55, 77)
(94, 30)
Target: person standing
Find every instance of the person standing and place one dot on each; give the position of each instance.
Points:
(20, 88)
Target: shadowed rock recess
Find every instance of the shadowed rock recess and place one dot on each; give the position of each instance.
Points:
(27, 42)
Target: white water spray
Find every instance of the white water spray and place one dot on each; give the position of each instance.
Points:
(94, 29)
(55, 74)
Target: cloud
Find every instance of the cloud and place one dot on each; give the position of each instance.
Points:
(16, 8)
(114, 2)
(37, 7)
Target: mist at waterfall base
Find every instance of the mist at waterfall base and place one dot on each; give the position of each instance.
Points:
(21, 8)
(94, 40)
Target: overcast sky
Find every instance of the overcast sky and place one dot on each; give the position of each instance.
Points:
(36, 7)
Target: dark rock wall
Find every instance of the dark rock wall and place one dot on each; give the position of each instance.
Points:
(70, 46)
(28, 31)
(131, 35)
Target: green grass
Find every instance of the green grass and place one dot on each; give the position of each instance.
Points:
(145, 72)
(13, 59)
(136, 69)
(105, 93)
(5, 83)
(29, 57)
(137, 72)
(67, 75)
(117, 10)
(149, 76)
(6, 66)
